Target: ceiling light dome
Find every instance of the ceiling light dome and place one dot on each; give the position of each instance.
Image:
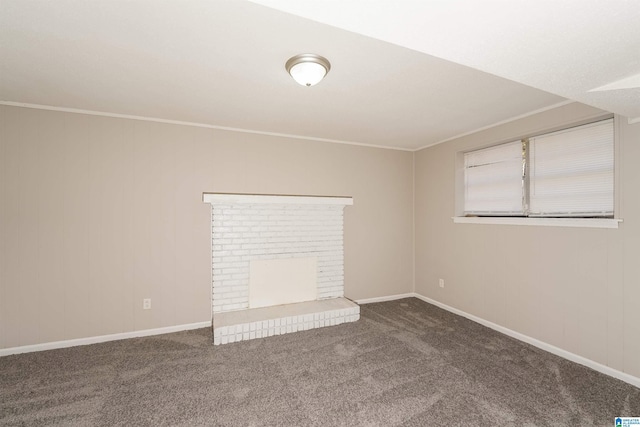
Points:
(308, 68)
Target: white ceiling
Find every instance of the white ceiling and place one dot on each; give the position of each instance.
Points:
(405, 74)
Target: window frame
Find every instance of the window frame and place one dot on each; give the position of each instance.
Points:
(588, 222)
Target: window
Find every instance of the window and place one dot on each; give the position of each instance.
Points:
(569, 173)
(493, 181)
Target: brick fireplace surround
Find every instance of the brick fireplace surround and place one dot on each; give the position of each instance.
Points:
(251, 231)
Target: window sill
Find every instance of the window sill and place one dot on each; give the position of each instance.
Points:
(547, 222)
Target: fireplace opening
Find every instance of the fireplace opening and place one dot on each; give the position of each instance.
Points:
(282, 281)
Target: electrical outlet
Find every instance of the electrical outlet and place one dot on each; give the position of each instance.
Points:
(146, 304)
(441, 283)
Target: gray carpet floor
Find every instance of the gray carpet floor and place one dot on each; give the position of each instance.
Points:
(404, 363)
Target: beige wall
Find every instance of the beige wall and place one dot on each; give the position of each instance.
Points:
(98, 213)
(575, 288)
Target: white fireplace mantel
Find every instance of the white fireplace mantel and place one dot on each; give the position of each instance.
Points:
(259, 199)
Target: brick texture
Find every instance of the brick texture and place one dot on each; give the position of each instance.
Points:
(244, 232)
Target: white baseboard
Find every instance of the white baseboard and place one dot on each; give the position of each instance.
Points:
(102, 338)
(635, 381)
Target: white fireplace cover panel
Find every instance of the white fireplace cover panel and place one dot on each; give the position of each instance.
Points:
(282, 281)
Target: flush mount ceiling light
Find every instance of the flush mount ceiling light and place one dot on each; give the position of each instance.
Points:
(308, 68)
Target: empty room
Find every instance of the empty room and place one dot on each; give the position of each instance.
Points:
(302, 213)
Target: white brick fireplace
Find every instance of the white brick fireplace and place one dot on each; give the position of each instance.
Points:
(277, 264)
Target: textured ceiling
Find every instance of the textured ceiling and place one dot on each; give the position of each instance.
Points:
(221, 64)
(584, 50)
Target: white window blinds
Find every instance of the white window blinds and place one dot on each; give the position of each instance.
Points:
(493, 180)
(571, 172)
